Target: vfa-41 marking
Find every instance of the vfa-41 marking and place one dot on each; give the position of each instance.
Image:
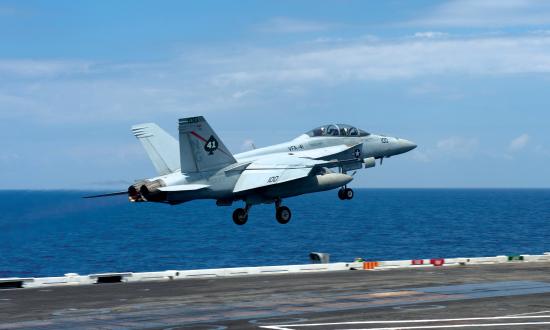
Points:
(211, 145)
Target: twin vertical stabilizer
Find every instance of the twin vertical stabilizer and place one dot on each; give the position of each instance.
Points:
(160, 146)
(200, 147)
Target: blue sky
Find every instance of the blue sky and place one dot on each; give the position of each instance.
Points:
(469, 81)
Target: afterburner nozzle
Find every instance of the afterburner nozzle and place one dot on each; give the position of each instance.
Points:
(146, 191)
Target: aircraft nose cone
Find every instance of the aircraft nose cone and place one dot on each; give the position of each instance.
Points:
(407, 145)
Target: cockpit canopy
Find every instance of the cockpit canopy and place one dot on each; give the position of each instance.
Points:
(337, 130)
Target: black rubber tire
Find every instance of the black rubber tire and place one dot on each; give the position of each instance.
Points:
(283, 215)
(348, 193)
(341, 194)
(240, 216)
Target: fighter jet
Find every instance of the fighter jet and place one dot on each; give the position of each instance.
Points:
(199, 166)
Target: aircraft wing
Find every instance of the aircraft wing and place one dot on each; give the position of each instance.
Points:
(274, 170)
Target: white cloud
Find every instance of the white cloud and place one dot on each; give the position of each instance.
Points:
(41, 68)
(542, 150)
(290, 25)
(7, 11)
(241, 94)
(519, 143)
(487, 13)
(420, 156)
(8, 157)
(214, 79)
(458, 146)
(336, 63)
(248, 144)
(424, 89)
(430, 34)
(540, 32)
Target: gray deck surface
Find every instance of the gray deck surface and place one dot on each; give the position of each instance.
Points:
(297, 301)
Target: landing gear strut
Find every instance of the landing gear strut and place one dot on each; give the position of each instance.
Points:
(240, 215)
(282, 213)
(345, 193)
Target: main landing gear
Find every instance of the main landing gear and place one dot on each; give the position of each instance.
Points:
(345, 193)
(240, 215)
(282, 214)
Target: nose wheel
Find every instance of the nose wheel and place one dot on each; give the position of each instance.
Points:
(345, 193)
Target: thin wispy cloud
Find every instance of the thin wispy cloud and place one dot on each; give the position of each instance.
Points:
(42, 68)
(248, 144)
(291, 25)
(218, 79)
(519, 143)
(7, 11)
(458, 146)
(394, 59)
(430, 34)
(487, 13)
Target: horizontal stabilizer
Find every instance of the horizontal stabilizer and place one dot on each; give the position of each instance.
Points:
(184, 187)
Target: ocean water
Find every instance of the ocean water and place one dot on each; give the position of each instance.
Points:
(48, 233)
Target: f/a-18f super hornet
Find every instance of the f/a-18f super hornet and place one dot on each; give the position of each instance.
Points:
(201, 167)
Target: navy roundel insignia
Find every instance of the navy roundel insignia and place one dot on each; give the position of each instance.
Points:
(357, 153)
(211, 145)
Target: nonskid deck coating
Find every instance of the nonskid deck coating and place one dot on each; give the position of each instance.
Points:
(314, 298)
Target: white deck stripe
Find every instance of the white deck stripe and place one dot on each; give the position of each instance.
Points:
(477, 325)
(532, 313)
(290, 326)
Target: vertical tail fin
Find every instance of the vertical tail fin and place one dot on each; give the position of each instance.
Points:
(200, 148)
(160, 146)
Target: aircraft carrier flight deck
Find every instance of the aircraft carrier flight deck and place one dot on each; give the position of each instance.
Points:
(514, 295)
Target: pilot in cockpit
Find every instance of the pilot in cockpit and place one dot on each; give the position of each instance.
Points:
(332, 130)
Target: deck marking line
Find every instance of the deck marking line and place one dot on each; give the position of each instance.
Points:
(288, 326)
(456, 326)
(532, 313)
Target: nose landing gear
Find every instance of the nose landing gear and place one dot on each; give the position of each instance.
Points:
(345, 193)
